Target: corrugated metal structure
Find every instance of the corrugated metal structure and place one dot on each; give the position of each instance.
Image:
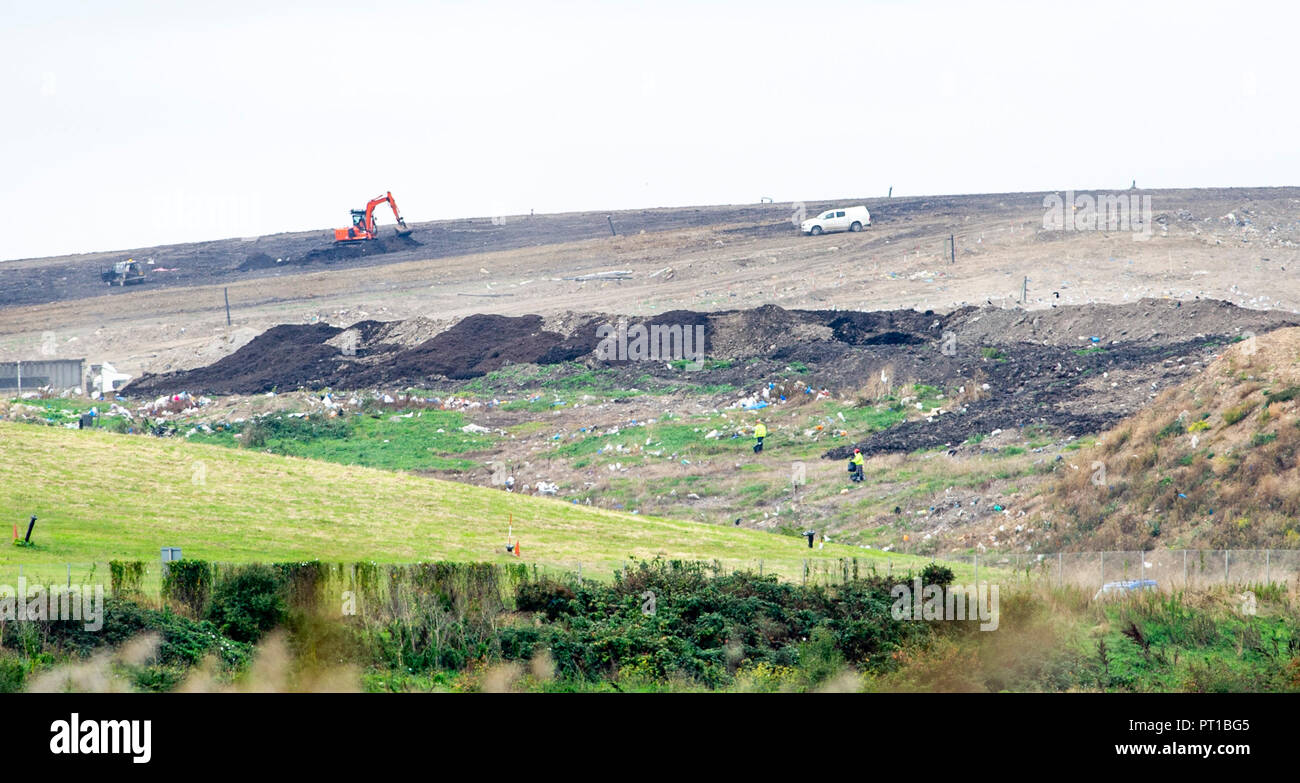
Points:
(29, 376)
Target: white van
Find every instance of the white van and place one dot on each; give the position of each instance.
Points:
(838, 219)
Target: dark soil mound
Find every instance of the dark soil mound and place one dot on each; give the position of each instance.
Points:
(886, 327)
(342, 251)
(475, 346)
(257, 261)
(283, 357)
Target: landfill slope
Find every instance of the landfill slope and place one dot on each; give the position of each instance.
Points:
(1075, 369)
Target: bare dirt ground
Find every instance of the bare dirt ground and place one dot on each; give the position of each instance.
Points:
(1238, 245)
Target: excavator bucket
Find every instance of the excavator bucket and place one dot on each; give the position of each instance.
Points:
(401, 228)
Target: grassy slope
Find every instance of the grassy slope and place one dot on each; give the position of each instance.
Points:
(1211, 463)
(102, 496)
(1057, 640)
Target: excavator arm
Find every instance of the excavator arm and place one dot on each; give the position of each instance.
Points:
(368, 229)
(402, 230)
(370, 210)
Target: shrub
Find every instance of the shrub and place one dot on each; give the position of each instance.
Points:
(183, 642)
(546, 596)
(303, 582)
(1285, 395)
(189, 582)
(705, 628)
(248, 602)
(1171, 430)
(125, 576)
(254, 434)
(12, 674)
(935, 574)
(819, 658)
(1236, 413)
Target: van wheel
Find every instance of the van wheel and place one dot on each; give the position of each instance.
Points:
(816, 231)
(856, 226)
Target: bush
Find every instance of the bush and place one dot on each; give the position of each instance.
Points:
(125, 576)
(12, 674)
(545, 595)
(705, 628)
(248, 602)
(254, 434)
(1237, 413)
(1285, 395)
(189, 582)
(182, 641)
(819, 657)
(935, 574)
(1171, 430)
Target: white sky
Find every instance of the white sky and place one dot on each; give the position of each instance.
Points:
(128, 124)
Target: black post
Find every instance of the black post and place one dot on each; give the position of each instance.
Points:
(612, 232)
(891, 192)
(952, 246)
(30, 525)
(226, 292)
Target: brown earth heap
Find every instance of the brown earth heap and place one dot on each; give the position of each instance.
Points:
(1076, 369)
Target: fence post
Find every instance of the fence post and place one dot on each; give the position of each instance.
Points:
(977, 573)
(1227, 553)
(69, 576)
(1103, 568)
(1184, 569)
(1142, 569)
(1267, 552)
(1060, 578)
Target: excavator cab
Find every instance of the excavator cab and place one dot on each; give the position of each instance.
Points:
(356, 231)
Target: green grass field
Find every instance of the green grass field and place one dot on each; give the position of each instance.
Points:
(416, 440)
(102, 496)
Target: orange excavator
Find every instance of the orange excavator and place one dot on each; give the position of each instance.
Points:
(363, 226)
